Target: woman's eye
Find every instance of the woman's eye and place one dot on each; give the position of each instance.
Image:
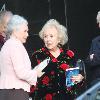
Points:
(45, 36)
(51, 36)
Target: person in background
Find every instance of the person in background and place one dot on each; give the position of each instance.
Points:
(4, 18)
(52, 85)
(93, 59)
(15, 66)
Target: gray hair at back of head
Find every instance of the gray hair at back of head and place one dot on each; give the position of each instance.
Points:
(15, 22)
(62, 31)
(5, 14)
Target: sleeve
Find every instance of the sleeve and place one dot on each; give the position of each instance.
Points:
(95, 49)
(88, 61)
(22, 65)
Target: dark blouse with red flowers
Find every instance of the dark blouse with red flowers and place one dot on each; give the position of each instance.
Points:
(52, 84)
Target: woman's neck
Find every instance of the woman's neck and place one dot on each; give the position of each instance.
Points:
(55, 52)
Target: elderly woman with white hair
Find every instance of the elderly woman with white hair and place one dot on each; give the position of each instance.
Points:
(52, 85)
(15, 66)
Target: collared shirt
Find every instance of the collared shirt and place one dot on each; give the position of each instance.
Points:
(15, 66)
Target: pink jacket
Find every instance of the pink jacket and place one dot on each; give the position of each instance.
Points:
(15, 66)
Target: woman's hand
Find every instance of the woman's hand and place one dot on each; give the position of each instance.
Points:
(91, 56)
(41, 66)
(77, 79)
(39, 73)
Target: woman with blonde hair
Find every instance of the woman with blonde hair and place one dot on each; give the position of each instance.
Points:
(52, 85)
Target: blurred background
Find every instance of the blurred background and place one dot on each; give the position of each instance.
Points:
(79, 16)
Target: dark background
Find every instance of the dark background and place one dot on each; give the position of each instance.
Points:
(79, 16)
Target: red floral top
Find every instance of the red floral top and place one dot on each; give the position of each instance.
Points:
(53, 82)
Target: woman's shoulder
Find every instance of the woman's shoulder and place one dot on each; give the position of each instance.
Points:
(40, 53)
(37, 52)
(96, 39)
(68, 52)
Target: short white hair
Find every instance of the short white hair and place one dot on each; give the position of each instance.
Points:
(15, 22)
(98, 17)
(62, 31)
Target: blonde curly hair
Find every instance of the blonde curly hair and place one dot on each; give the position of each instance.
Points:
(62, 31)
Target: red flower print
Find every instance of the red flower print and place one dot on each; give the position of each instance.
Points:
(32, 89)
(48, 97)
(61, 50)
(50, 55)
(52, 72)
(43, 49)
(54, 60)
(46, 80)
(38, 61)
(70, 53)
(69, 88)
(47, 53)
(64, 66)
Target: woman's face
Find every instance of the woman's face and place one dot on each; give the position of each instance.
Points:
(22, 33)
(50, 38)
